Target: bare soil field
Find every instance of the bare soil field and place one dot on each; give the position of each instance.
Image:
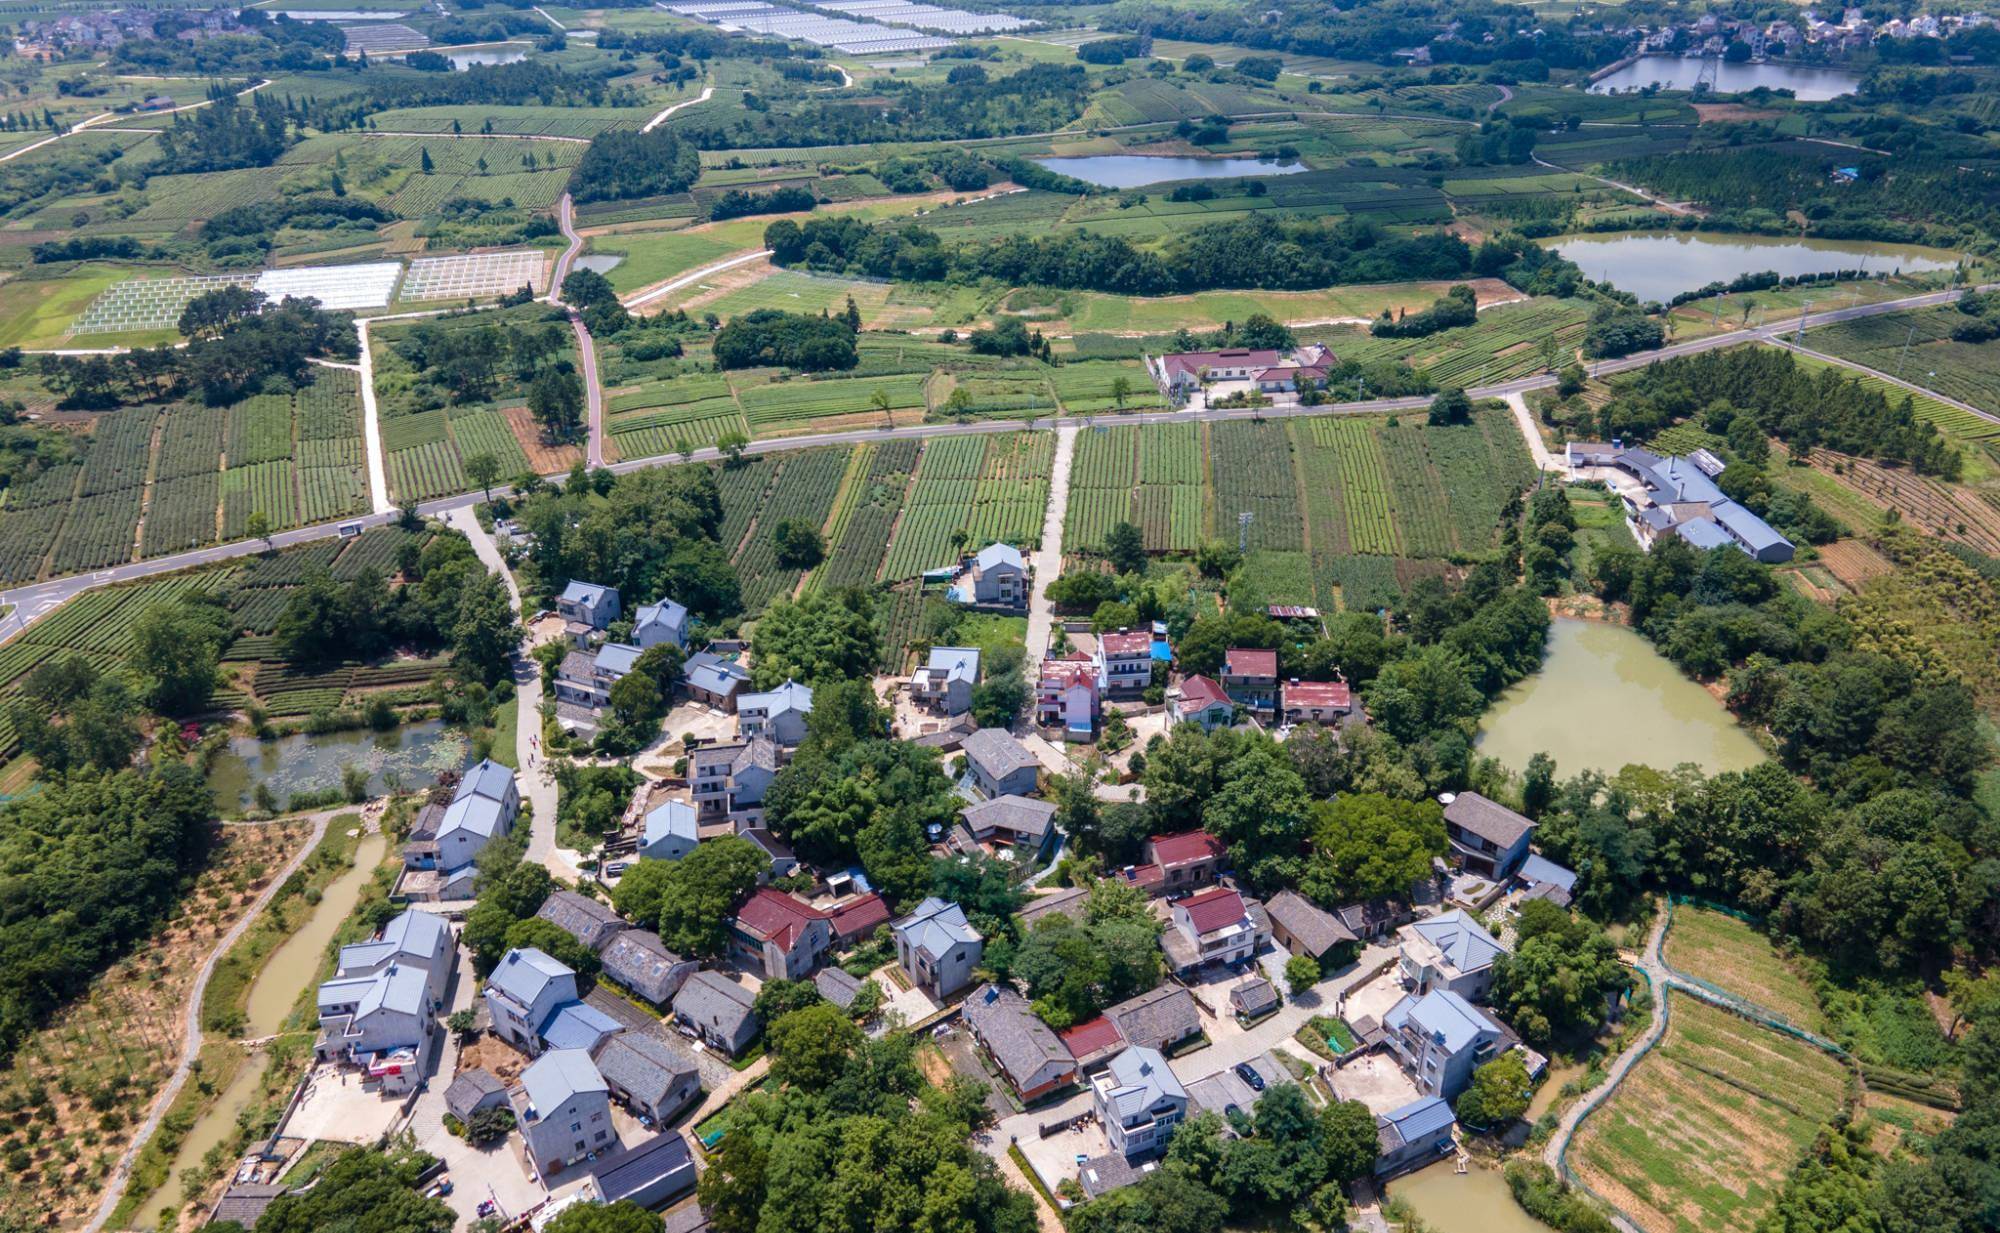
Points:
(1736, 957)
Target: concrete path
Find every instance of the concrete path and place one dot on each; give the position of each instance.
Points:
(1321, 999)
(649, 294)
(707, 93)
(371, 427)
(121, 1173)
(721, 1095)
(1544, 461)
(1047, 560)
(586, 347)
(392, 132)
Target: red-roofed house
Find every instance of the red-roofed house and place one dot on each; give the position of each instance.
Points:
(1200, 700)
(1327, 703)
(858, 918)
(1093, 1042)
(1250, 676)
(1069, 693)
(1187, 861)
(1125, 661)
(785, 936)
(1217, 927)
(1187, 370)
(1285, 378)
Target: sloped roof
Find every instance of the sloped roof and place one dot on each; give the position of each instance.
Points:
(712, 997)
(1250, 661)
(1316, 930)
(1254, 995)
(579, 592)
(1069, 901)
(397, 989)
(477, 815)
(672, 820)
(709, 672)
(1021, 1043)
(488, 779)
(469, 1089)
(1465, 943)
(1092, 1038)
(1215, 908)
(995, 751)
(639, 960)
(641, 1168)
(666, 613)
(1192, 362)
(1490, 820)
(1319, 693)
(773, 916)
(1157, 1017)
(557, 1075)
(791, 696)
(617, 658)
(1020, 815)
(837, 986)
(937, 926)
(1185, 848)
(1141, 1079)
(1417, 1120)
(415, 935)
(524, 972)
(1127, 642)
(578, 1025)
(1540, 869)
(1445, 1017)
(644, 1065)
(860, 916)
(999, 554)
(1198, 693)
(580, 916)
(954, 663)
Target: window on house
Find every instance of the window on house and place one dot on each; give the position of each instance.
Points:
(600, 1135)
(576, 1126)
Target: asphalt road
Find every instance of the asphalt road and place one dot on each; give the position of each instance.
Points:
(37, 599)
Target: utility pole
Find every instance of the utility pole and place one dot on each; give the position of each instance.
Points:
(1799, 336)
(1903, 364)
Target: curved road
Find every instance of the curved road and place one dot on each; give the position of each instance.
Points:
(121, 1173)
(586, 346)
(37, 599)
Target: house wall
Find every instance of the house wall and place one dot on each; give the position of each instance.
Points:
(561, 1138)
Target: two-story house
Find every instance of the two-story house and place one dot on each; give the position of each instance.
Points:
(1415, 1134)
(1069, 694)
(944, 684)
(1211, 927)
(1441, 1038)
(938, 948)
(1139, 1102)
(410, 939)
(532, 1000)
(382, 1023)
(585, 680)
(563, 1108)
(1327, 703)
(718, 1010)
(1187, 861)
(1250, 677)
(714, 680)
(1448, 951)
(995, 577)
(665, 622)
(443, 847)
(587, 609)
(1489, 839)
(729, 780)
(669, 832)
(1000, 765)
(1125, 662)
(1199, 700)
(780, 714)
(782, 936)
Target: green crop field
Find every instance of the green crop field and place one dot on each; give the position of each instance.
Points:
(796, 404)
(1917, 347)
(967, 491)
(1737, 957)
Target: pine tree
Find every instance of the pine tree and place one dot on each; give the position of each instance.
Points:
(426, 165)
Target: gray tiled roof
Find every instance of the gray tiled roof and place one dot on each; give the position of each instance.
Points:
(936, 927)
(640, 961)
(996, 752)
(469, 1090)
(1316, 930)
(709, 997)
(1490, 820)
(558, 1075)
(1156, 1018)
(643, 1065)
(488, 779)
(1018, 1041)
(1071, 901)
(836, 986)
(580, 916)
(1018, 815)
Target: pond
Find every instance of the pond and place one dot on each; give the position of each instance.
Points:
(602, 263)
(1135, 170)
(212, 1128)
(463, 60)
(415, 753)
(1659, 265)
(1604, 698)
(1476, 1201)
(1808, 83)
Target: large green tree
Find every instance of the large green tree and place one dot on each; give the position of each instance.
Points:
(1366, 845)
(1555, 985)
(689, 901)
(825, 637)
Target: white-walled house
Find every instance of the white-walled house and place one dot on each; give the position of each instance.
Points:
(937, 947)
(663, 622)
(779, 714)
(563, 1107)
(1139, 1101)
(671, 831)
(586, 607)
(944, 684)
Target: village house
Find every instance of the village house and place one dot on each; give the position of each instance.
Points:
(1415, 1134)
(1070, 901)
(587, 609)
(1027, 1054)
(670, 831)
(717, 1010)
(996, 577)
(663, 623)
(1187, 861)
(1211, 927)
(838, 987)
(581, 917)
(1372, 919)
(1250, 677)
(648, 1076)
(938, 948)
(1330, 704)
(563, 1107)
(1542, 878)
(713, 680)
(648, 1174)
(729, 780)
(1490, 839)
(410, 939)
(473, 1091)
(944, 684)
(1678, 496)
(1139, 1101)
(1440, 1038)
(1304, 929)
(780, 935)
(1159, 1018)
(439, 857)
(780, 714)
(638, 960)
(784, 863)
(1254, 998)
(584, 682)
(1199, 700)
(1125, 662)
(1020, 825)
(1000, 765)
(856, 918)
(1449, 951)
(532, 1000)
(379, 1012)
(1069, 694)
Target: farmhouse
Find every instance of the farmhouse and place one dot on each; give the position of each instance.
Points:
(1026, 1053)
(1450, 951)
(587, 609)
(563, 1107)
(1125, 661)
(641, 962)
(1678, 495)
(1199, 700)
(781, 936)
(1069, 693)
(729, 780)
(1018, 825)
(999, 765)
(717, 1009)
(713, 680)
(665, 622)
(997, 577)
(581, 917)
(1490, 839)
(670, 831)
(944, 684)
(780, 714)
(1250, 677)
(938, 948)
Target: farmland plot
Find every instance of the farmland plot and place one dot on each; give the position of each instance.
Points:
(1101, 480)
(1736, 957)
(792, 405)
(943, 515)
(804, 490)
(856, 553)
(1253, 473)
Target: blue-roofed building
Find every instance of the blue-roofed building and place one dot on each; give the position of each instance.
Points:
(1679, 496)
(446, 840)
(491, 780)
(586, 606)
(578, 1025)
(664, 622)
(670, 831)
(995, 577)
(563, 1107)
(944, 683)
(780, 714)
(714, 680)
(1441, 1038)
(1542, 878)
(1139, 1101)
(381, 1023)
(420, 940)
(524, 991)
(1163, 648)
(1448, 951)
(1415, 1134)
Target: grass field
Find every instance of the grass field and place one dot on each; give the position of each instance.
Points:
(1704, 1132)
(1735, 956)
(36, 308)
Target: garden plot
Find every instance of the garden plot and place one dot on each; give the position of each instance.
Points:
(1704, 1132)
(475, 274)
(1736, 958)
(150, 303)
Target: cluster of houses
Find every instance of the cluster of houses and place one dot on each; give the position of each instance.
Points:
(1678, 496)
(1711, 35)
(1071, 691)
(109, 28)
(1267, 370)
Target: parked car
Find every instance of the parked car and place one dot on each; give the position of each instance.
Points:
(1248, 1073)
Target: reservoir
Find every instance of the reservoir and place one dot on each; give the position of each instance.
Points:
(1136, 170)
(1808, 83)
(413, 755)
(1476, 1201)
(1605, 698)
(1659, 265)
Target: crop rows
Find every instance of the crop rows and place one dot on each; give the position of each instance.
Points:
(182, 514)
(332, 492)
(260, 430)
(801, 402)
(429, 470)
(1170, 454)
(99, 532)
(1170, 515)
(404, 432)
(1253, 474)
(376, 549)
(672, 438)
(118, 451)
(269, 488)
(932, 530)
(1092, 513)
(1364, 482)
(486, 432)
(190, 442)
(804, 491)
(1087, 387)
(1105, 458)
(675, 392)
(856, 554)
(742, 489)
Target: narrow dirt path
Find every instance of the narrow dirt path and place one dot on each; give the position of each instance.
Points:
(371, 427)
(1654, 968)
(1047, 559)
(707, 93)
(1525, 419)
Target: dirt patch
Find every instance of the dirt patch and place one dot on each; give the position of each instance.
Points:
(495, 1056)
(1729, 113)
(120, 1043)
(1853, 562)
(542, 457)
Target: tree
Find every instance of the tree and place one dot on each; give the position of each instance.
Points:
(1451, 406)
(258, 526)
(1366, 845)
(1125, 548)
(175, 649)
(1556, 983)
(483, 469)
(555, 399)
(1165, 1201)
(484, 632)
(1571, 380)
(1301, 973)
(1348, 1137)
(506, 895)
(781, 997)
(489, 1125)
(552, 939)
(997, 700)
(827, 636)
(1498, 1094)
(424, 163)
(362, 1189)
(689, 901)
(809, 1048)
(798, 544)
(623, 1216)
(1121, 389)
